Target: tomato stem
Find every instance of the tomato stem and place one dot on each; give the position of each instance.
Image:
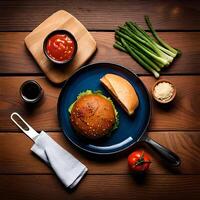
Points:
(141, 160)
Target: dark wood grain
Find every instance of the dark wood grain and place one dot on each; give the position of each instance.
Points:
(172, 14)
(16, 59)
(182, 114)
(176, 126)
(16, 157)
(105, 187)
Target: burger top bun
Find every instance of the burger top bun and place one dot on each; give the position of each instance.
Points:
(122, 91)
(93, 116)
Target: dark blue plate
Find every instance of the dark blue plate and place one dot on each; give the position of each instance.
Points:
(131, 128)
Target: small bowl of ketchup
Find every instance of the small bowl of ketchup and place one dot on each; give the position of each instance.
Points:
(60, 46)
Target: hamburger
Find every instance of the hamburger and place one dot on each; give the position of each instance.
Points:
(122, 91)
(93, 115)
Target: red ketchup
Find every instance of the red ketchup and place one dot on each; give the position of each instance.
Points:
(60, 47)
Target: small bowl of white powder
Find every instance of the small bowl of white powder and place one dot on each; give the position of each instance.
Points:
(163, 91)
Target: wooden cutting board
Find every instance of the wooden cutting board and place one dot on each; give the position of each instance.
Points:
(60, 20)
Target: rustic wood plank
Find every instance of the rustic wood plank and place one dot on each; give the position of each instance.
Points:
(101, 187)
(172, 14)
(60, 20)
(182, 114)
(16, 157)
(16, 59)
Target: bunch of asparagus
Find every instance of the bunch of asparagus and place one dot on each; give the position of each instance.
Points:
(151, 52)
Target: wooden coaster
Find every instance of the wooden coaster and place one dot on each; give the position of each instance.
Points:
(60, 20)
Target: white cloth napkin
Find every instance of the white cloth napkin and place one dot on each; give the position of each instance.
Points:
(68, 169)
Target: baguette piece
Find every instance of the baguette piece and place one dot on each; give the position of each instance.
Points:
(122, 91)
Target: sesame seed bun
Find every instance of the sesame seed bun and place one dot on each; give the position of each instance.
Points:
(122, 91)
(93, 116)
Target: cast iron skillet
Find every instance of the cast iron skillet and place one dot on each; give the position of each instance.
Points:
(131, 128)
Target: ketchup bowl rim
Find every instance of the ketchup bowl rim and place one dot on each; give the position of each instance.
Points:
(71, 36)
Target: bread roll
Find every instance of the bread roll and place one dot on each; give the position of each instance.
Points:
(122, 91)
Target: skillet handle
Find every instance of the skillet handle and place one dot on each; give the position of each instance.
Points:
(166, 154)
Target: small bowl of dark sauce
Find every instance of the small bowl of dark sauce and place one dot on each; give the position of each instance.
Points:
(31, 91)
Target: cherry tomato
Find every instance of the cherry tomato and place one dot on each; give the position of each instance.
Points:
(139, 161)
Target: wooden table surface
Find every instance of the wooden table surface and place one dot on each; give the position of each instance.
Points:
(177, 126)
